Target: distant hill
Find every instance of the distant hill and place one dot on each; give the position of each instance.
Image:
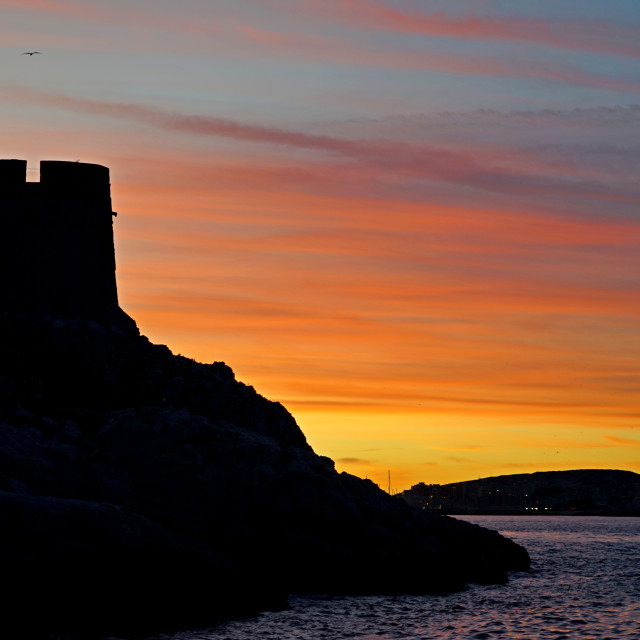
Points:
(583, 491)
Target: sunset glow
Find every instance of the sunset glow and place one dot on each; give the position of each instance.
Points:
(416, 226)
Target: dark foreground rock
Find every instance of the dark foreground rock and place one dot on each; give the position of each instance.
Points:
(141, 490)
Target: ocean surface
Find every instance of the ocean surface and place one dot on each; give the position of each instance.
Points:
(584, 584)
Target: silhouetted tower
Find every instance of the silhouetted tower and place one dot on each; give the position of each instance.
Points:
(56, 241)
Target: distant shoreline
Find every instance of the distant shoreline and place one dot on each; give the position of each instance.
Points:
(535, 514)
(579, 492)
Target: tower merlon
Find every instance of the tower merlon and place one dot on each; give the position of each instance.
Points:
(78, 177)
(13, 173)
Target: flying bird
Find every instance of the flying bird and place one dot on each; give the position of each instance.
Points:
(30, 53)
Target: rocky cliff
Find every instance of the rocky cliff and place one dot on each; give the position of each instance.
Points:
(140, 489)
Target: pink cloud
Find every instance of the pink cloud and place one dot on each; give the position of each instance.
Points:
(129, 18)
(241, 39)
(576, 34)
(41, 5)
(440, 162)
(77, 10)
(347, 52)
(485, 169)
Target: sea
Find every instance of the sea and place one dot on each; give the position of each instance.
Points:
(584, 585)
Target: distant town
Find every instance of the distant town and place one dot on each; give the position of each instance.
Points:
(583, 492)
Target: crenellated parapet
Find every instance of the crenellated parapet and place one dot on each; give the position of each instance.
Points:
(13, 173)
(56, 241)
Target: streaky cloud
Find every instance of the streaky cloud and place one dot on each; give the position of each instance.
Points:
(577, 33)
(358, 461)
(489, 170)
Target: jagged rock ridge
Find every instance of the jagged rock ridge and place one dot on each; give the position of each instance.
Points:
(139, 486)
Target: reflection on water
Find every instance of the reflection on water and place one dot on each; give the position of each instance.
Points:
(584, 584)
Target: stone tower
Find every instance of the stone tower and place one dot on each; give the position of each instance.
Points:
(56, 241)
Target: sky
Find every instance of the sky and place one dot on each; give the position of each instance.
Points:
(414, 223)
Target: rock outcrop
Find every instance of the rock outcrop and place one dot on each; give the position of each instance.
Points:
(140, 489)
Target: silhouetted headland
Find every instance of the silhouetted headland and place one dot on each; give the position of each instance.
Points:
(141, 489)
(603, 492)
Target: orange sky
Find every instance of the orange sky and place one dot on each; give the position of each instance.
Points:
(418, 231)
